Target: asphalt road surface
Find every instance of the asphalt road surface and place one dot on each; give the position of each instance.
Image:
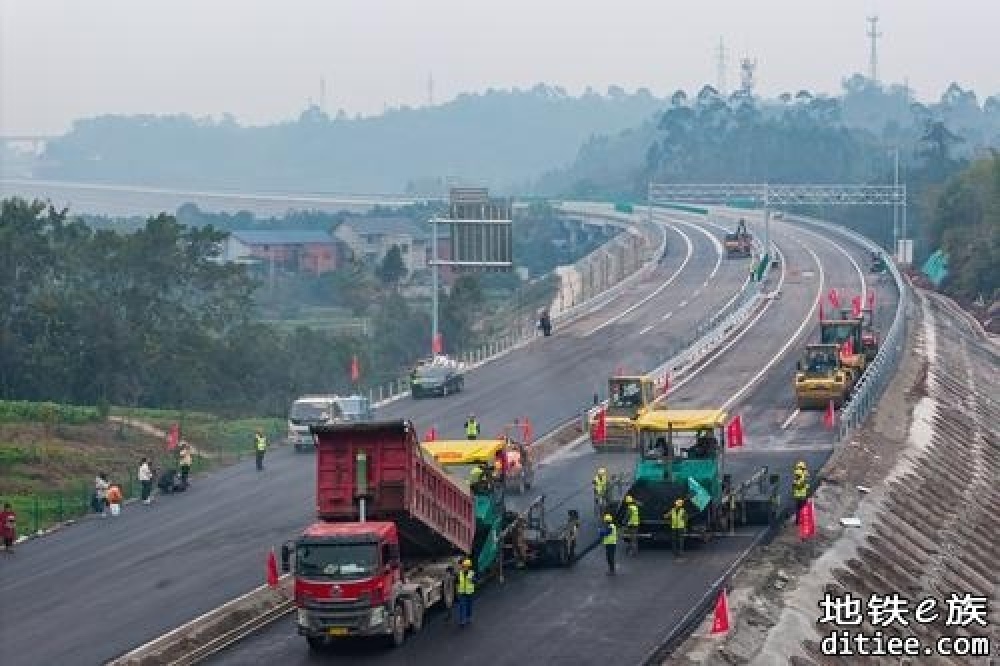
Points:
(582, 616)
(95, 590)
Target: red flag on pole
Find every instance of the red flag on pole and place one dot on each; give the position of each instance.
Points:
(601, 427)
(734, 433)
(847, 348)
(430, 435)
(871, 300)
(856, 306)
(272, 569)
(720, 620)
(830, 417)
(437, 344)
(528, 432)
(355, 369)
(173, 437)
(807, 520)
(834, 297)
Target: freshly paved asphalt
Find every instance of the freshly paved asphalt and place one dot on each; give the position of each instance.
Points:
(93, 591)
(581, 615)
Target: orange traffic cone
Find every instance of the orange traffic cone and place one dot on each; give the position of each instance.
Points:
(720, 621)
(830, 417)
(272, 569)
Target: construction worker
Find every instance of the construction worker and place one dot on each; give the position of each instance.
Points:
(471, 427)
(631, 526)
(800, 487)
(466, 586)
(609, 537)
(260, 447)
(678, 524)
(601, 488)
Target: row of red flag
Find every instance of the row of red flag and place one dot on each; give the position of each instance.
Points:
(834, 297)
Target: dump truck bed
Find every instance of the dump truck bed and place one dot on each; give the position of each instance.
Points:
(433, 513)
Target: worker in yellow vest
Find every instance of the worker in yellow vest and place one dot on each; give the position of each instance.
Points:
(800, 487)
(260, 448)
(631, 526)
(678, 525)
(609, 537)
(600, 483)
(471, 427)
(466, 587)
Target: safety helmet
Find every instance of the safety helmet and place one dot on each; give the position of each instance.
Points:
(601, 470)
(800, 464)
(628, 499)
(608, 518)
(678, 502)
(466, 564)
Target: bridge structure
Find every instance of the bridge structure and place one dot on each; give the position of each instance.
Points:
(767, 195)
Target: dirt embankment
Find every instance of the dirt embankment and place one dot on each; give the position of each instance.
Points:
(920, 477)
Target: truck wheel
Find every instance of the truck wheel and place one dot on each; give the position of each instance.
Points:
(316, 643)
(398, 620)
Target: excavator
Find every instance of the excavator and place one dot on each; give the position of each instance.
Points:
(628, 398)
(740, 244)
(821, 377)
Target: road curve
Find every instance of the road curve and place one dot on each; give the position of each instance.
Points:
(580, 615)
(93, 591)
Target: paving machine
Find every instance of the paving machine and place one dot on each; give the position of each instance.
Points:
(820, 377)
(682, 456)
(739, 244)
(628, 397)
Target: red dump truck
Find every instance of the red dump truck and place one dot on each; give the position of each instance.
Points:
(392, 528)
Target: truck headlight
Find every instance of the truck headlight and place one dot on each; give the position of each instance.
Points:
(377, 616)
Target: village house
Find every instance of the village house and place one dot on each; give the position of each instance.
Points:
(293, 251)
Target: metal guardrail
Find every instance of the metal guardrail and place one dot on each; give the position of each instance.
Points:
(878, 374)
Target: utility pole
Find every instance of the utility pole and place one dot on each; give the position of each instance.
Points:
(322, 94)
(895, 208)
(873, 34)
(721, 67)
(430, 90)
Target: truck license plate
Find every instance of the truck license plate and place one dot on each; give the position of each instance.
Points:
(337, 631)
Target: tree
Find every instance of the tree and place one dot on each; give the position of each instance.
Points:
(392, 269)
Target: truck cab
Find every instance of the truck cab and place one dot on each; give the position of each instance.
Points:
(350, 581)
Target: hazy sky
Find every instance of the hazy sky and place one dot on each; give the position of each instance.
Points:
(263, 60)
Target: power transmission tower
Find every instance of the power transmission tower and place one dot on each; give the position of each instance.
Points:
(873, 34)
(721, 67)
(747, 69)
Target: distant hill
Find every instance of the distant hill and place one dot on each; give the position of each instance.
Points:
(799, 137)
(499, 138)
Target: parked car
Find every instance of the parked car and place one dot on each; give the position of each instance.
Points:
(435, 380)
